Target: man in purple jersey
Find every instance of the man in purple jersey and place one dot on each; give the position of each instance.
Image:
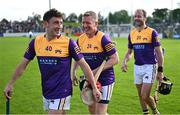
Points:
(96, 46)
(54, 53)
(145, 43)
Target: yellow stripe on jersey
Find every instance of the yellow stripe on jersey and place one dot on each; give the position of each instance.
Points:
(91, 45)
(77, 49)
(27, 49)
(109, 47)
(57, 47)
(144, 36)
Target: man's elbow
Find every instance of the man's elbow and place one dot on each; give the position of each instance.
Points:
(116, 60)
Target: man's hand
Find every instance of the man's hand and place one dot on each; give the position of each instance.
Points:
(75, 80)
(8, 91)
(159, 77)
(124, 67)
(97, 95)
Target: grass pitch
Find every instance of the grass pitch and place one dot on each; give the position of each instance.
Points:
(27, 98)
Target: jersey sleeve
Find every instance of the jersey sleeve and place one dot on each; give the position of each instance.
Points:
(129, 42)
(107, 45)
(74, 50)
(30, 51)
(155, 39)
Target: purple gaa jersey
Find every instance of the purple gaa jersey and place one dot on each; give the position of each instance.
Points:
(143, 43)
(95, 50)
(54, 59)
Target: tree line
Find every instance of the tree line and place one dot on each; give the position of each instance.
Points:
(161, 18)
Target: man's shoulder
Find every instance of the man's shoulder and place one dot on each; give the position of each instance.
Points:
(133, 30)
(82, 36)
(65, 37)
(150, 28)
(41, 36)
(101, 33)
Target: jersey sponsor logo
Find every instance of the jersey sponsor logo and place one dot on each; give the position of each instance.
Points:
(93, 57)
(145, 39)
(58, 51)
(48, 61)
(96, 48)
(138, 46)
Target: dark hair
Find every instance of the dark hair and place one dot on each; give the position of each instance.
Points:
(52, 13)
(92, 14)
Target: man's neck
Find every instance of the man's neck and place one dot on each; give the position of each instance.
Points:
(141, 27)
(50, 37)
(92, 34)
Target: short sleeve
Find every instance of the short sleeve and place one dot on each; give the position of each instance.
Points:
(129, 42)
(30, 51)
(107, 45)
(74, 50)
(155, 39)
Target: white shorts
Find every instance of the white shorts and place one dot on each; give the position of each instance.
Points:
(144, 73)
(106, 93)
(57, 104)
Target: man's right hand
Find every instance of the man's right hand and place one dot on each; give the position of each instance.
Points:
(97, 95)
(8, 91)
(75, 80)
(124, 67)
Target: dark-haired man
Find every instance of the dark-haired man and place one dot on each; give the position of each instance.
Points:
(54, 53)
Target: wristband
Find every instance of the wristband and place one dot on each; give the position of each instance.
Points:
(160, 69)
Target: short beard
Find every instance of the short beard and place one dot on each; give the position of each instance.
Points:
(138, 23)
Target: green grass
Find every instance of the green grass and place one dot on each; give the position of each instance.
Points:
(27, 96)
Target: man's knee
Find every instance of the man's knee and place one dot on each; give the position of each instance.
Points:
(101, 109)
(92, 109)
(145, 97)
